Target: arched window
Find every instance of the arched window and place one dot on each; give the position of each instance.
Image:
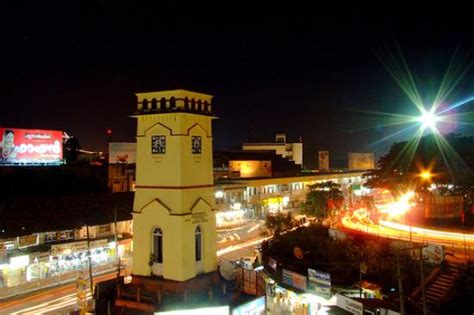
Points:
(198, 243)
(154, 104)
(186, 103)
(172, 102)
(206, 106)
(145, 104)
(158, 245)
(193, 104)
(163, 103)
(200, 106)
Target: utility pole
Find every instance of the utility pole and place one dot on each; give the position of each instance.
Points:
(91, 280)
(117, 256)
(423, 291)
(400, 285)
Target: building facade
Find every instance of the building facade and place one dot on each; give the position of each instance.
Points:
(291, 151)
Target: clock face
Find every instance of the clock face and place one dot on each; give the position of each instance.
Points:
(158, 144)
(196, 144)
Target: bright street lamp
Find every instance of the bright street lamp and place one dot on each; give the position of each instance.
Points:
(428, 119)
(426, 175)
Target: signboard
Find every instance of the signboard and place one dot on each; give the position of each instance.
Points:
(81, 292)
(30, 146)
(324, 161)
(361, 161)
(122, 152)
(319, 282)
(27, 240)
(67, 248)
(19, 261)
(294, 279)
(433, 253)
(254, 307)
(349, 305)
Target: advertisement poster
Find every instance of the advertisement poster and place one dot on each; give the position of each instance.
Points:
(319, 282)
(324, 161)
(433, 253)
(245, 169)
(361, 161)
(122, 152)
(30, 146)
(294, 279)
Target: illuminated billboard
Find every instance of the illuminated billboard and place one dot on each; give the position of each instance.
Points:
(122, 152)
(246, 169)
(30, 146)
(361, 161)
(323, 160)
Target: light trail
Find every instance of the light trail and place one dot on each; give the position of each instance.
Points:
(393, 230)
(232, 248)
(52, 305)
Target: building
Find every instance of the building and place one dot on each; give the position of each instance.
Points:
(260, 196)
(291, 151)
(122, 164)
(173, 213)
(36, 249)
(252, 164)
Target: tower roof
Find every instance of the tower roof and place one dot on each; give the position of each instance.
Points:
(179, 93)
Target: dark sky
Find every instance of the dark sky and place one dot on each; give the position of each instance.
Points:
(76, 67)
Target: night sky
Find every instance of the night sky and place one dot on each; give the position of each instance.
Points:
(76, 67)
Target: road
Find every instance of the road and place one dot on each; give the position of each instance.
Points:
(461, 242)
(232, 244)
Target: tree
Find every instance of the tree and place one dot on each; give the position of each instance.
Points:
(71, 149)
(279, 222)
(322, 199)
(449, 158)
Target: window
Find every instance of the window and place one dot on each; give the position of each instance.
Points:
(158, 245)
(196, 144)
(106, 228)
(158, 144)
(66, 235)
(154, 104)
(198, 246)
(49, 237)
(145, 104)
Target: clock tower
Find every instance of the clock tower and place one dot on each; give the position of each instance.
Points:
(174, 212)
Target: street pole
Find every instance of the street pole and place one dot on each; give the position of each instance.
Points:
(117, 256)
(400, 285)
(423, 293)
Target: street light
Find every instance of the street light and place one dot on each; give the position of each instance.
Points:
(428, 119)
(425, 175)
